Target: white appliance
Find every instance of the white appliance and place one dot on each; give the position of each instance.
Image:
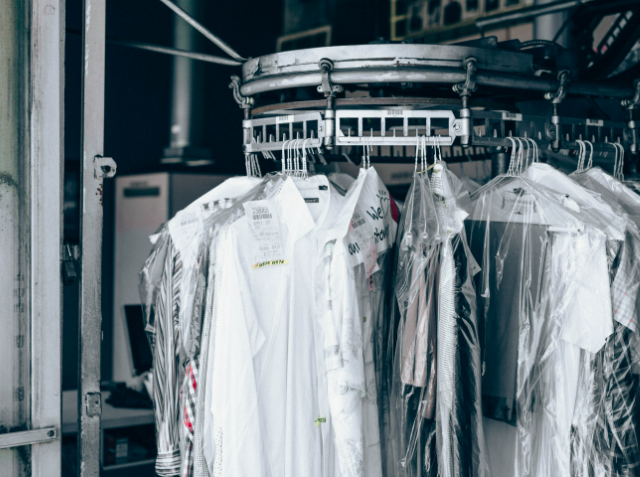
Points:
(143, 203)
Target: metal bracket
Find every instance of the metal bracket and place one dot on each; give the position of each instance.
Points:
(631, 133)
(558, 96)
(26, 438)
(635, 101)
(245, 102)
(326, 65)
(463, 126)
(104, 167)
(93, 404)
(70, 253)
(469, 86)
(553, 130)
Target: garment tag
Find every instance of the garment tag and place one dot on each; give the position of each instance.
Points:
(320, 420)
(267, 245)
(519, 202)
(311, 200)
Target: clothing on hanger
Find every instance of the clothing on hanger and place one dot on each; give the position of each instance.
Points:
(436, 428)
(543, 262)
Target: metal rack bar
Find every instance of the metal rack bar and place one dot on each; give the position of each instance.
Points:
(542, 144)
(210, 36)
(166, 50)
(434, 75)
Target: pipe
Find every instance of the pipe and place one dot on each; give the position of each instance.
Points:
(436, 75)
(176, 52)
(210, 36)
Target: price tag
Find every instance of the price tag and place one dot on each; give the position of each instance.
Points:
(267, 245)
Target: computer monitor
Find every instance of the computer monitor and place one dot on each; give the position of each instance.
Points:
(140, 349)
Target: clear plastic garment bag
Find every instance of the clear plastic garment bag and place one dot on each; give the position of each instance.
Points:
(435, 396)
(615, 444)
(545, 307)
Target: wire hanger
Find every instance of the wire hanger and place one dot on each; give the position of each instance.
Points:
(590, 162)
(511, 171)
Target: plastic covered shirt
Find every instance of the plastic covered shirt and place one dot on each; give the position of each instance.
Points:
(436, 403)
(312, 348)
(545, 311)
(372, 229)
(165, 294)
(615, 444)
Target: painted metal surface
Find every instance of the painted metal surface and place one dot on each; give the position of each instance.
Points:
(47, 161)
(31, 124)
(89, 335)
(25, 438)
(15, 390)
(385, 56)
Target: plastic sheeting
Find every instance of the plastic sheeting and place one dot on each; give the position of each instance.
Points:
(436, 423)
(545, 303)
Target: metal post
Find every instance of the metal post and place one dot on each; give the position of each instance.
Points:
(46, 169)
(89, 335)
(188, 88)
(545, 27)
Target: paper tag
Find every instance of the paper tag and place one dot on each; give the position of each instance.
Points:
(519, 202)
(267, 245)
(506, 115)
(595, 122)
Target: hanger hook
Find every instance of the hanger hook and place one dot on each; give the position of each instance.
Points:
(590, 162)
(511, 170)
(284, 157)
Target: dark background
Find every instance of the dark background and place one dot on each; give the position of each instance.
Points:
(138, 104)
(138, 113)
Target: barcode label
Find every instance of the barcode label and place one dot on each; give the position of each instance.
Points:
(511, 116)
(284, 119)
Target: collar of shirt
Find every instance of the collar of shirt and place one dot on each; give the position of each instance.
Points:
(335, 216)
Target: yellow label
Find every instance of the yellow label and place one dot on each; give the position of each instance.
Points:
(320, 420)
(270, 262)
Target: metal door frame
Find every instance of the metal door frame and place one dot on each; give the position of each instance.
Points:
(94, 168)
(43, 123)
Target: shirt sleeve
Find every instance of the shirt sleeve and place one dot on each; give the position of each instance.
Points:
(347, 383)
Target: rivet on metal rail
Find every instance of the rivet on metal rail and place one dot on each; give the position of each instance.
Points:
(553, 129)
(104, 167)
(245, 102)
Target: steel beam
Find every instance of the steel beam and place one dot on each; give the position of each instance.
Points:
(90, 333)
(210, 36)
